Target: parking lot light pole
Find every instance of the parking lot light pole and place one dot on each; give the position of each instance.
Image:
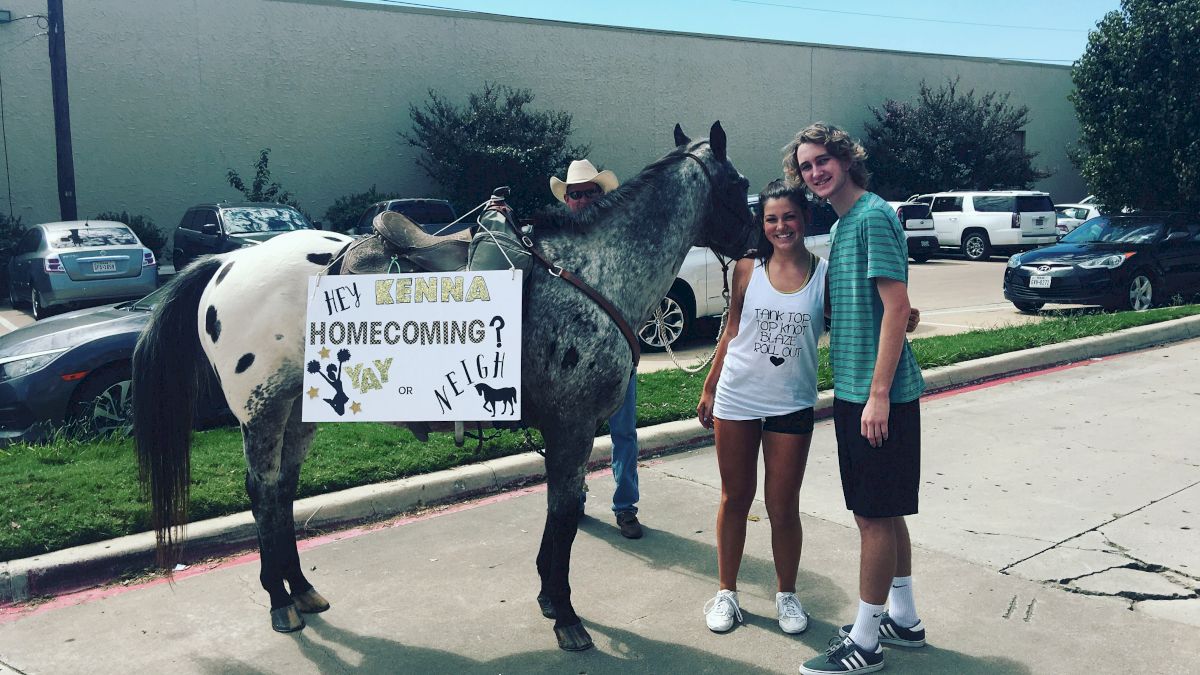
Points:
(62, 111)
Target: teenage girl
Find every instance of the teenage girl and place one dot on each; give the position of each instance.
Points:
(761, 390)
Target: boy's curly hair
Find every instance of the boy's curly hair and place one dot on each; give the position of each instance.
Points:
(837, 143)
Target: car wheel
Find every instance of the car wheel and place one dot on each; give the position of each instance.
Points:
(39, 310)
(103, 404)
(1029, 307)
(1141, 292)
(975, 246)
(670, 321)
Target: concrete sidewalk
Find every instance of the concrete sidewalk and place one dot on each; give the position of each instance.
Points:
(1013, 515)
(86, 566)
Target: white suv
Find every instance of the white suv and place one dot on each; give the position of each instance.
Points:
(979, 222)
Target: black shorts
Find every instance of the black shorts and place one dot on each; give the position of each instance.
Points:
(879, 482)
(798, 423)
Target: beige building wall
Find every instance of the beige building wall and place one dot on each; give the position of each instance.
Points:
(167, 95)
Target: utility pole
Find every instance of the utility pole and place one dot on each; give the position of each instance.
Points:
(62, 111)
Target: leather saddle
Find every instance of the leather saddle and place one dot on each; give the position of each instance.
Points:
(398, 242)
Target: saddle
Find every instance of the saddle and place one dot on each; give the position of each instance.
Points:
(398, 242)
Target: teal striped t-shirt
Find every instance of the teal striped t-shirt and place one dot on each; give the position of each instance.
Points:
(868, 243)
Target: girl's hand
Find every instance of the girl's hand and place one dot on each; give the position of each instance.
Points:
(704, 410)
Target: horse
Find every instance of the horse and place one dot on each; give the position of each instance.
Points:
(242, 313)
(491, 396)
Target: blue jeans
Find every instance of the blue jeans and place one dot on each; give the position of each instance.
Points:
(622, 427)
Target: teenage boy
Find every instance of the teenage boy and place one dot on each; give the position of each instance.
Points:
(877, 386)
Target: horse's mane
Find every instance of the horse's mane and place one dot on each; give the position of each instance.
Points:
(556, 218)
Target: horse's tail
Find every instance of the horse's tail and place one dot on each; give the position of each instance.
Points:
(167, 364)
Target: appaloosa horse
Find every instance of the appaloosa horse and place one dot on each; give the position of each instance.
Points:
(243, 314)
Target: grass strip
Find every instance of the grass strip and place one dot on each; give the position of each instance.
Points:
(70, 492)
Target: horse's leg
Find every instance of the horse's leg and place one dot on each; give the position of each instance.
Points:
(263, 438)
(567, 451)
(296, 440)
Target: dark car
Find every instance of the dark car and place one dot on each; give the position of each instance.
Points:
(1126, 261)
(221, 227)
(431, 214)
(75, 368)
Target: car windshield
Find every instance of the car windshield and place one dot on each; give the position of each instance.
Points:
(85, 237)
(1116, 231)
(249, 219)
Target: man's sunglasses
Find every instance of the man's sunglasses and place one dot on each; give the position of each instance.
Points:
(584, 194)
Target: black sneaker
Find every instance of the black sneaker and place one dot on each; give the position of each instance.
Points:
(630, 527)
(844, 656)
(892, 633)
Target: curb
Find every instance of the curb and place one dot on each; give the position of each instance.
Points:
(86, 566)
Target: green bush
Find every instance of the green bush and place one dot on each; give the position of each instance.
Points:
(346, 210)
(11, 230)
(145, 229)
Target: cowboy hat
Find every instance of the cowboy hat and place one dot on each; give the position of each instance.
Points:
(582, 171)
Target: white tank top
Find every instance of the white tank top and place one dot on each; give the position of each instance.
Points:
(770, 366)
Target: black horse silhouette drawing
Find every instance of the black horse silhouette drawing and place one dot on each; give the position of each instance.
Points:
(507, 396)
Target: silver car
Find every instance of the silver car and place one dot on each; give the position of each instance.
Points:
(56, 265)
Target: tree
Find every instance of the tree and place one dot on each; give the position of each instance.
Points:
(494, 140)
(1136, 95)
(263, 189)
(948, 141)
(145, 229)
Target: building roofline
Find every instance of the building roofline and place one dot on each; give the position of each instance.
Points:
(485, 16)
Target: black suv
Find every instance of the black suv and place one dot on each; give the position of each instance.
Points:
(431, 214)
(225, 226)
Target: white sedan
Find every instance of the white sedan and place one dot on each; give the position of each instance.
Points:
(697, 291)
(1071, 216)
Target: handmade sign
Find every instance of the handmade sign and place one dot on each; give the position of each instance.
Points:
(413, 347)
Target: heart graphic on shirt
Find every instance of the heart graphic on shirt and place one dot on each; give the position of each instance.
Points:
(777, 360)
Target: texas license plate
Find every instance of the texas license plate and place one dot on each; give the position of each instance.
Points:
(110, 266)
(1039, 282)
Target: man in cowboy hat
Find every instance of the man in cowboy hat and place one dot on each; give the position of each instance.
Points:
(583, 185)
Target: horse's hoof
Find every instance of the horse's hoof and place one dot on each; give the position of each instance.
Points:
(573, 638)
(286, 619)
(547, 607)
(310, 602)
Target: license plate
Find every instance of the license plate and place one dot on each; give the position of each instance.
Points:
(110, 266)
(1039, 282)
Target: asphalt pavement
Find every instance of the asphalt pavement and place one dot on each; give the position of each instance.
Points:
(1057, 534)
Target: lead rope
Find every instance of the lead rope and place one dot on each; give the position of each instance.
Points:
(720, 331)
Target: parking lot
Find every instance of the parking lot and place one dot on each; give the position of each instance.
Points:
(954, 295)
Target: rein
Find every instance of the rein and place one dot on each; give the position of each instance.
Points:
(613, 313)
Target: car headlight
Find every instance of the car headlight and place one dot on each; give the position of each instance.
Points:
(16, 366)
(1015, 261)
(1108, 262)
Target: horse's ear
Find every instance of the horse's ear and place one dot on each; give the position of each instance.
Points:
(716, 138)
(680, 137)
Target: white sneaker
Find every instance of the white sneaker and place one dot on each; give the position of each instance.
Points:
(720, 612)
(792, 618)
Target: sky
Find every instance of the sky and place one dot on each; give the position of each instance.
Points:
(1048, 31)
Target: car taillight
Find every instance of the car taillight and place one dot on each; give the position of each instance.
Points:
(1016, 223)
(53, 264)
(148, 259)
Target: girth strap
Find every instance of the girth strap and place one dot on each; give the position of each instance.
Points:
(608, 307)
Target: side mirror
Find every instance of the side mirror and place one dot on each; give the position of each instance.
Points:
(208, 228)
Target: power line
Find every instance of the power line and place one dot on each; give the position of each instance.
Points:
(907, 18)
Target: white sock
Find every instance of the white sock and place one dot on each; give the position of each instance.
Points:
(865, 632)
(901, 607)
